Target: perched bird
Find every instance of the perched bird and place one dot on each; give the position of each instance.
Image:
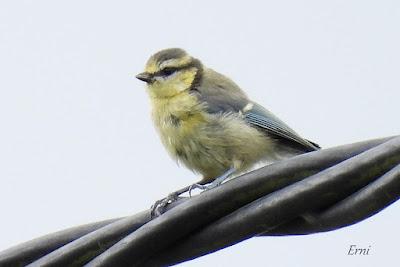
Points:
(207, 123)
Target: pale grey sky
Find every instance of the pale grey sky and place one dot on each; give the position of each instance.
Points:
(76, 141)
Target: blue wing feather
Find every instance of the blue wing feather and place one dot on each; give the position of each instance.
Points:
(261, 117)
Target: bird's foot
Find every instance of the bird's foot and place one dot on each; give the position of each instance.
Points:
(204, 188)
(159, 206)
(217, 182)
(196, 186)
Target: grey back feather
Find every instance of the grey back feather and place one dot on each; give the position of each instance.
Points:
(222, 95)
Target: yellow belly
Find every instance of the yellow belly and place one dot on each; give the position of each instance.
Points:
(209, 144)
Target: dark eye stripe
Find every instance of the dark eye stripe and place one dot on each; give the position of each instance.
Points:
(170, 70)
(167, 71)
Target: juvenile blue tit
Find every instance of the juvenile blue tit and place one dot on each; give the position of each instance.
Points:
(207, 123)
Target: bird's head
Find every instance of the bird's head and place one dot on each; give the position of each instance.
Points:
(170, 72)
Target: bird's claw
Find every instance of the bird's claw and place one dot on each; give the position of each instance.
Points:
(160, 205)
(218, 181)
(202, 187)
(194, 186)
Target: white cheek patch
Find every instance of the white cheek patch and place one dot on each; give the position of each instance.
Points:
(159, 79)
(170, 80)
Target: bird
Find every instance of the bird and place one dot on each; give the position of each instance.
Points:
(208, 124)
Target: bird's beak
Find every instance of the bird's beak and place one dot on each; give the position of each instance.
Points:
(145, 76)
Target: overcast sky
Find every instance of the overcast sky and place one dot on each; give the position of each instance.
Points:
(77, 144)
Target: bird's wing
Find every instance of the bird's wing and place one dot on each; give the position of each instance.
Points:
(261, 117)
(222, 95)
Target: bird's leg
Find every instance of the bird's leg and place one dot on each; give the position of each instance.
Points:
(219, 180)
(159, 206)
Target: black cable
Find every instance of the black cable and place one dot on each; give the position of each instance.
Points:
(271, 200)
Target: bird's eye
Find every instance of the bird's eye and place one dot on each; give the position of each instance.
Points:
(167, 71)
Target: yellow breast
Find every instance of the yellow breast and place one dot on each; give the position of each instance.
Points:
(176, 120)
